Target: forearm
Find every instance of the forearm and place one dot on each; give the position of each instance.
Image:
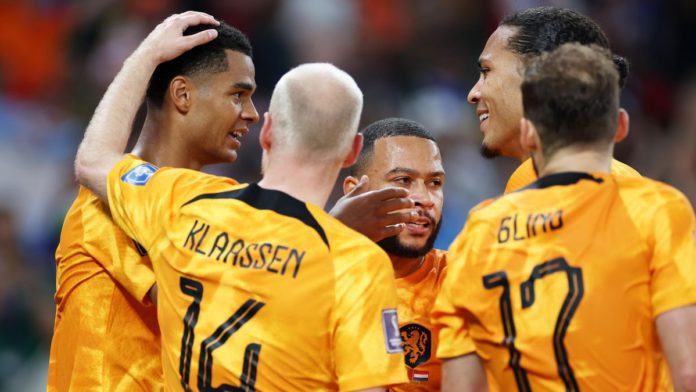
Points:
(678, 340)
(109, 129)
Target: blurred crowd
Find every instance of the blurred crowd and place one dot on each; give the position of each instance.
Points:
(412, 58)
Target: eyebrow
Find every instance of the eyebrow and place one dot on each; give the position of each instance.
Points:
(244, 86)
(412, 172)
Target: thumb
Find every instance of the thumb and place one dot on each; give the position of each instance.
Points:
(360, 187)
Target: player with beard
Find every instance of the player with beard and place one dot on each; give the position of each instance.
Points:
(497, 96)
(402, 153)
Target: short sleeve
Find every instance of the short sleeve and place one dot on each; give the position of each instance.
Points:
(367, 343)
(448, 315)
(142, 196)
(673, 262)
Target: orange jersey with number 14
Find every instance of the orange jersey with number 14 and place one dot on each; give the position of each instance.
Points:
(556, 287)
(256, 289)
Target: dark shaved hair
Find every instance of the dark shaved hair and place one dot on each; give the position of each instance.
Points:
(207, 58)
(388, 127)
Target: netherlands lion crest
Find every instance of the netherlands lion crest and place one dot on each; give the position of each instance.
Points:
(416, 341)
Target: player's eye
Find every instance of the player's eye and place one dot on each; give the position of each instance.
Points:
(402, 180)
(484, 71)
(436, 183)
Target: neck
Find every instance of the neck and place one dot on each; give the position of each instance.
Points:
(159, 145)
(577, 160)
(405, 266)
(304, 181)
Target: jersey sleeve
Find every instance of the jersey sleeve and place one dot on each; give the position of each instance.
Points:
(142, 196)
(673, 262)
(367, 343)
(449, 317)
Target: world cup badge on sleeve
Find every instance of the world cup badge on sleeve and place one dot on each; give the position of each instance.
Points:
(139, 175)
(390, 325)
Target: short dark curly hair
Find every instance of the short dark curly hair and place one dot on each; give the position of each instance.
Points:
(544, 29)
(209, 57)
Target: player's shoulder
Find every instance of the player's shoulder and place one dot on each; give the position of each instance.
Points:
(346, 244)
(648, 192)
(134, 171)
(339, 235)
(621, 169)
(521, 177)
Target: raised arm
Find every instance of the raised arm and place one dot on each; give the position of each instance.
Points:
(107, 133)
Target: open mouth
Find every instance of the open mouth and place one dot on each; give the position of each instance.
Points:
(483, 117)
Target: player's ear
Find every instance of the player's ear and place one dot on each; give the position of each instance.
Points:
(349, 183)
(622, 126)
(354, 151)
(265, 138)
(529, 139)
(180, 93)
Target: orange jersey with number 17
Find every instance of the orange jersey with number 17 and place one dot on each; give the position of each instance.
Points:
(556, 287)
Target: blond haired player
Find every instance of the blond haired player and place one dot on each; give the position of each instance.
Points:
(402, 153)
(518, 37)
(199, 106)
(258, 288)
(580, 280)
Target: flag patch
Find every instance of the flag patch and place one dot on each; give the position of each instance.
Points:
(420, 375)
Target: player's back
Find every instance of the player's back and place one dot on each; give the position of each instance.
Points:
(260, 290)
(563, 280)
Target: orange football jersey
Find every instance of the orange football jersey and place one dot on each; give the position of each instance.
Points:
(556, 287)
(417, 293)
(105, 336)
(256, 289)
(525, 174)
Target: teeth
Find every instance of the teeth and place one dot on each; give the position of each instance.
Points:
(236, 135)
(482, 117)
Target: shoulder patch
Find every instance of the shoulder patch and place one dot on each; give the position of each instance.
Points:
(139, 175)
(390, 326)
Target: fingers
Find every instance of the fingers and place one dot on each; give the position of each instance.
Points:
(193, 18)
(360, 187)
(390, 231)
(395, 204)
(388, 193)
(400, 217)
(203, 37)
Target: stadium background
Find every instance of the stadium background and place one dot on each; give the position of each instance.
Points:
(415, 59)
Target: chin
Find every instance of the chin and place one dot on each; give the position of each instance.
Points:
(488, 152)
